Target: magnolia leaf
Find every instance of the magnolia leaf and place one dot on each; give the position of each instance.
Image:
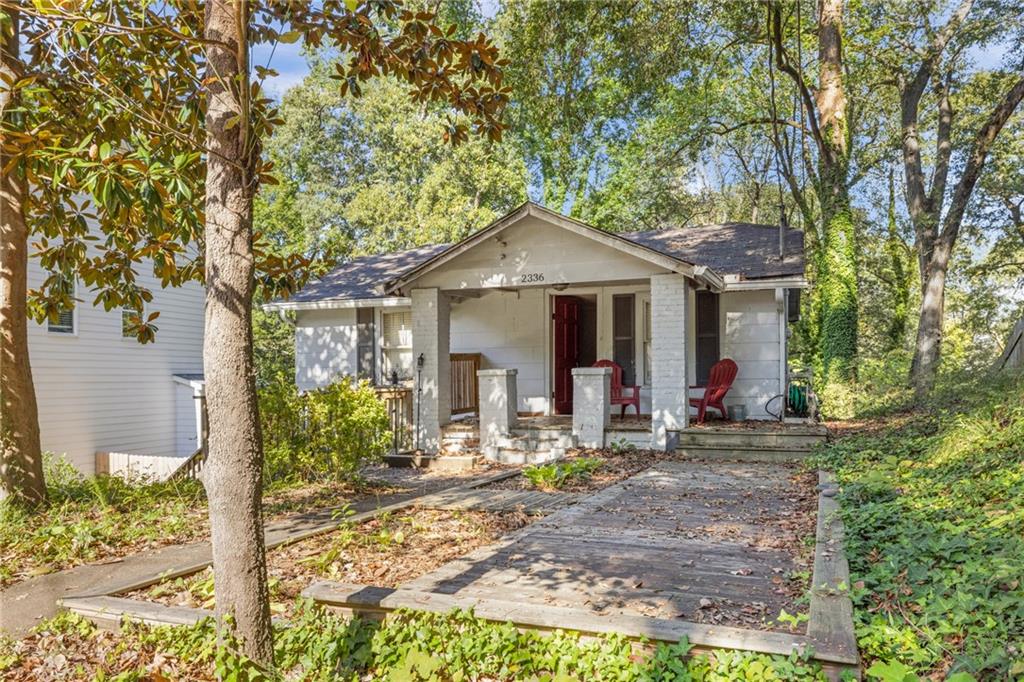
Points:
(290, 36)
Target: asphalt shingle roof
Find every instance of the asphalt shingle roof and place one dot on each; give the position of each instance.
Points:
(744, 249)
(364, 277)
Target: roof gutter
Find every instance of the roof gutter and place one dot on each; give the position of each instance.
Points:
(337, 304)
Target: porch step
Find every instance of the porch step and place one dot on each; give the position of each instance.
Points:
(802, 439)
(749, 453)
(513, 456)
(530, 446)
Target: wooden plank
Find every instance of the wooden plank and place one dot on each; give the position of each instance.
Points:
(831, 611)
(114, 610)
(378, 600)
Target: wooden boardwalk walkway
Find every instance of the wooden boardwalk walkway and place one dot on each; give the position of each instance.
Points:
(494, 500)
(680, 540)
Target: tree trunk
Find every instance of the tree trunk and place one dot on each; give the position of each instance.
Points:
(233, 473)
(837, 260)
(21, 462)
(927, 350)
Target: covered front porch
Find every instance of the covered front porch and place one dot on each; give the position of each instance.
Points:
(537, 298)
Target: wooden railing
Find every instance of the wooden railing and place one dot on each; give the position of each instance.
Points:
(465, 388)
(191, 467)
(399, 404)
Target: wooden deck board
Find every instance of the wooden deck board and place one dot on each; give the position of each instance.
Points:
(662, 543)
(491, 500)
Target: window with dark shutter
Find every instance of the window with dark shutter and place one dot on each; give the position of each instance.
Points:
(707, 335)
(364, 343)
(624, 336)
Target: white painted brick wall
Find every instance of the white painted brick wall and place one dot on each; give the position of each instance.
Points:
(591, 404)
(430, 337)
(498, 402)
(669, 404)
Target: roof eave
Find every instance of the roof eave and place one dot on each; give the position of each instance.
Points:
(705, 275)
(337, 304)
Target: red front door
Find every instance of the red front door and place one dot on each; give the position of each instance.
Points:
(567, 349)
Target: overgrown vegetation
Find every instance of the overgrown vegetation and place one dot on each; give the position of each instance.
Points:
(89, 518)
(324, 433)
(558, 474)
(408, 646)
(933, 502)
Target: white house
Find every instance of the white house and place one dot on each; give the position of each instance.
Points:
(540, 297)
(103, 396)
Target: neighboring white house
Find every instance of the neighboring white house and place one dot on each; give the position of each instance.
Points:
(543, 294)
(100, 391)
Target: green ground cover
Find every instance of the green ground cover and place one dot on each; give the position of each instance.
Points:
(933, 502)
(318, 646)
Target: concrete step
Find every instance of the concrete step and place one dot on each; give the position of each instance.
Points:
(533, 442)
(513, 456)
(541, 432)
(744, 454)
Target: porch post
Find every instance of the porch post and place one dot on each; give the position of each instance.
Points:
(591, 405)
(497, 404)
(430, 339)
(669, 396)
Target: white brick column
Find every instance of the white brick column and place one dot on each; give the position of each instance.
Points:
(591, 404)
(669, 399)
(498, 402)
(430, 338)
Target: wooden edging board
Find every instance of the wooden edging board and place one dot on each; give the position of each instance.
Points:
(369, 601)
(115, 587)
(830, 627)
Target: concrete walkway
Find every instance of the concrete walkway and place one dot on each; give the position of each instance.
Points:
(25, 604)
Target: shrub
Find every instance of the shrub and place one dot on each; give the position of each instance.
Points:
(558, 475)
(324, 433)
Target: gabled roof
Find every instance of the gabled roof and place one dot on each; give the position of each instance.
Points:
(610, 239)
(744, 250)
(364, 277)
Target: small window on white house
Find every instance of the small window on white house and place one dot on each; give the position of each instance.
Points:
(130, 322)
(396, 344)
(64, 323)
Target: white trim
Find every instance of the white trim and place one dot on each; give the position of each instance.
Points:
(703, 274)
(340, 303)
(74, 315)
(774, 283)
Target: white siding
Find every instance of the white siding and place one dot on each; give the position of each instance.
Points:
(325, 346)
(99, 392)
(186, 407)
(509, 329)
(749, 333)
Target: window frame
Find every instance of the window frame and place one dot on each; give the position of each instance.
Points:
(141, 313)
(385, 348)
(74, 314)
(631, 338)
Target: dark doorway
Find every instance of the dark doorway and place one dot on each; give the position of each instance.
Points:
(575, 344)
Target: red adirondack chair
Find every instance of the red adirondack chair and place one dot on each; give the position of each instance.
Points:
(619, 396)
(722, 374)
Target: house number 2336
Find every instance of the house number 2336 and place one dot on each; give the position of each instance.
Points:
(529, 277)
